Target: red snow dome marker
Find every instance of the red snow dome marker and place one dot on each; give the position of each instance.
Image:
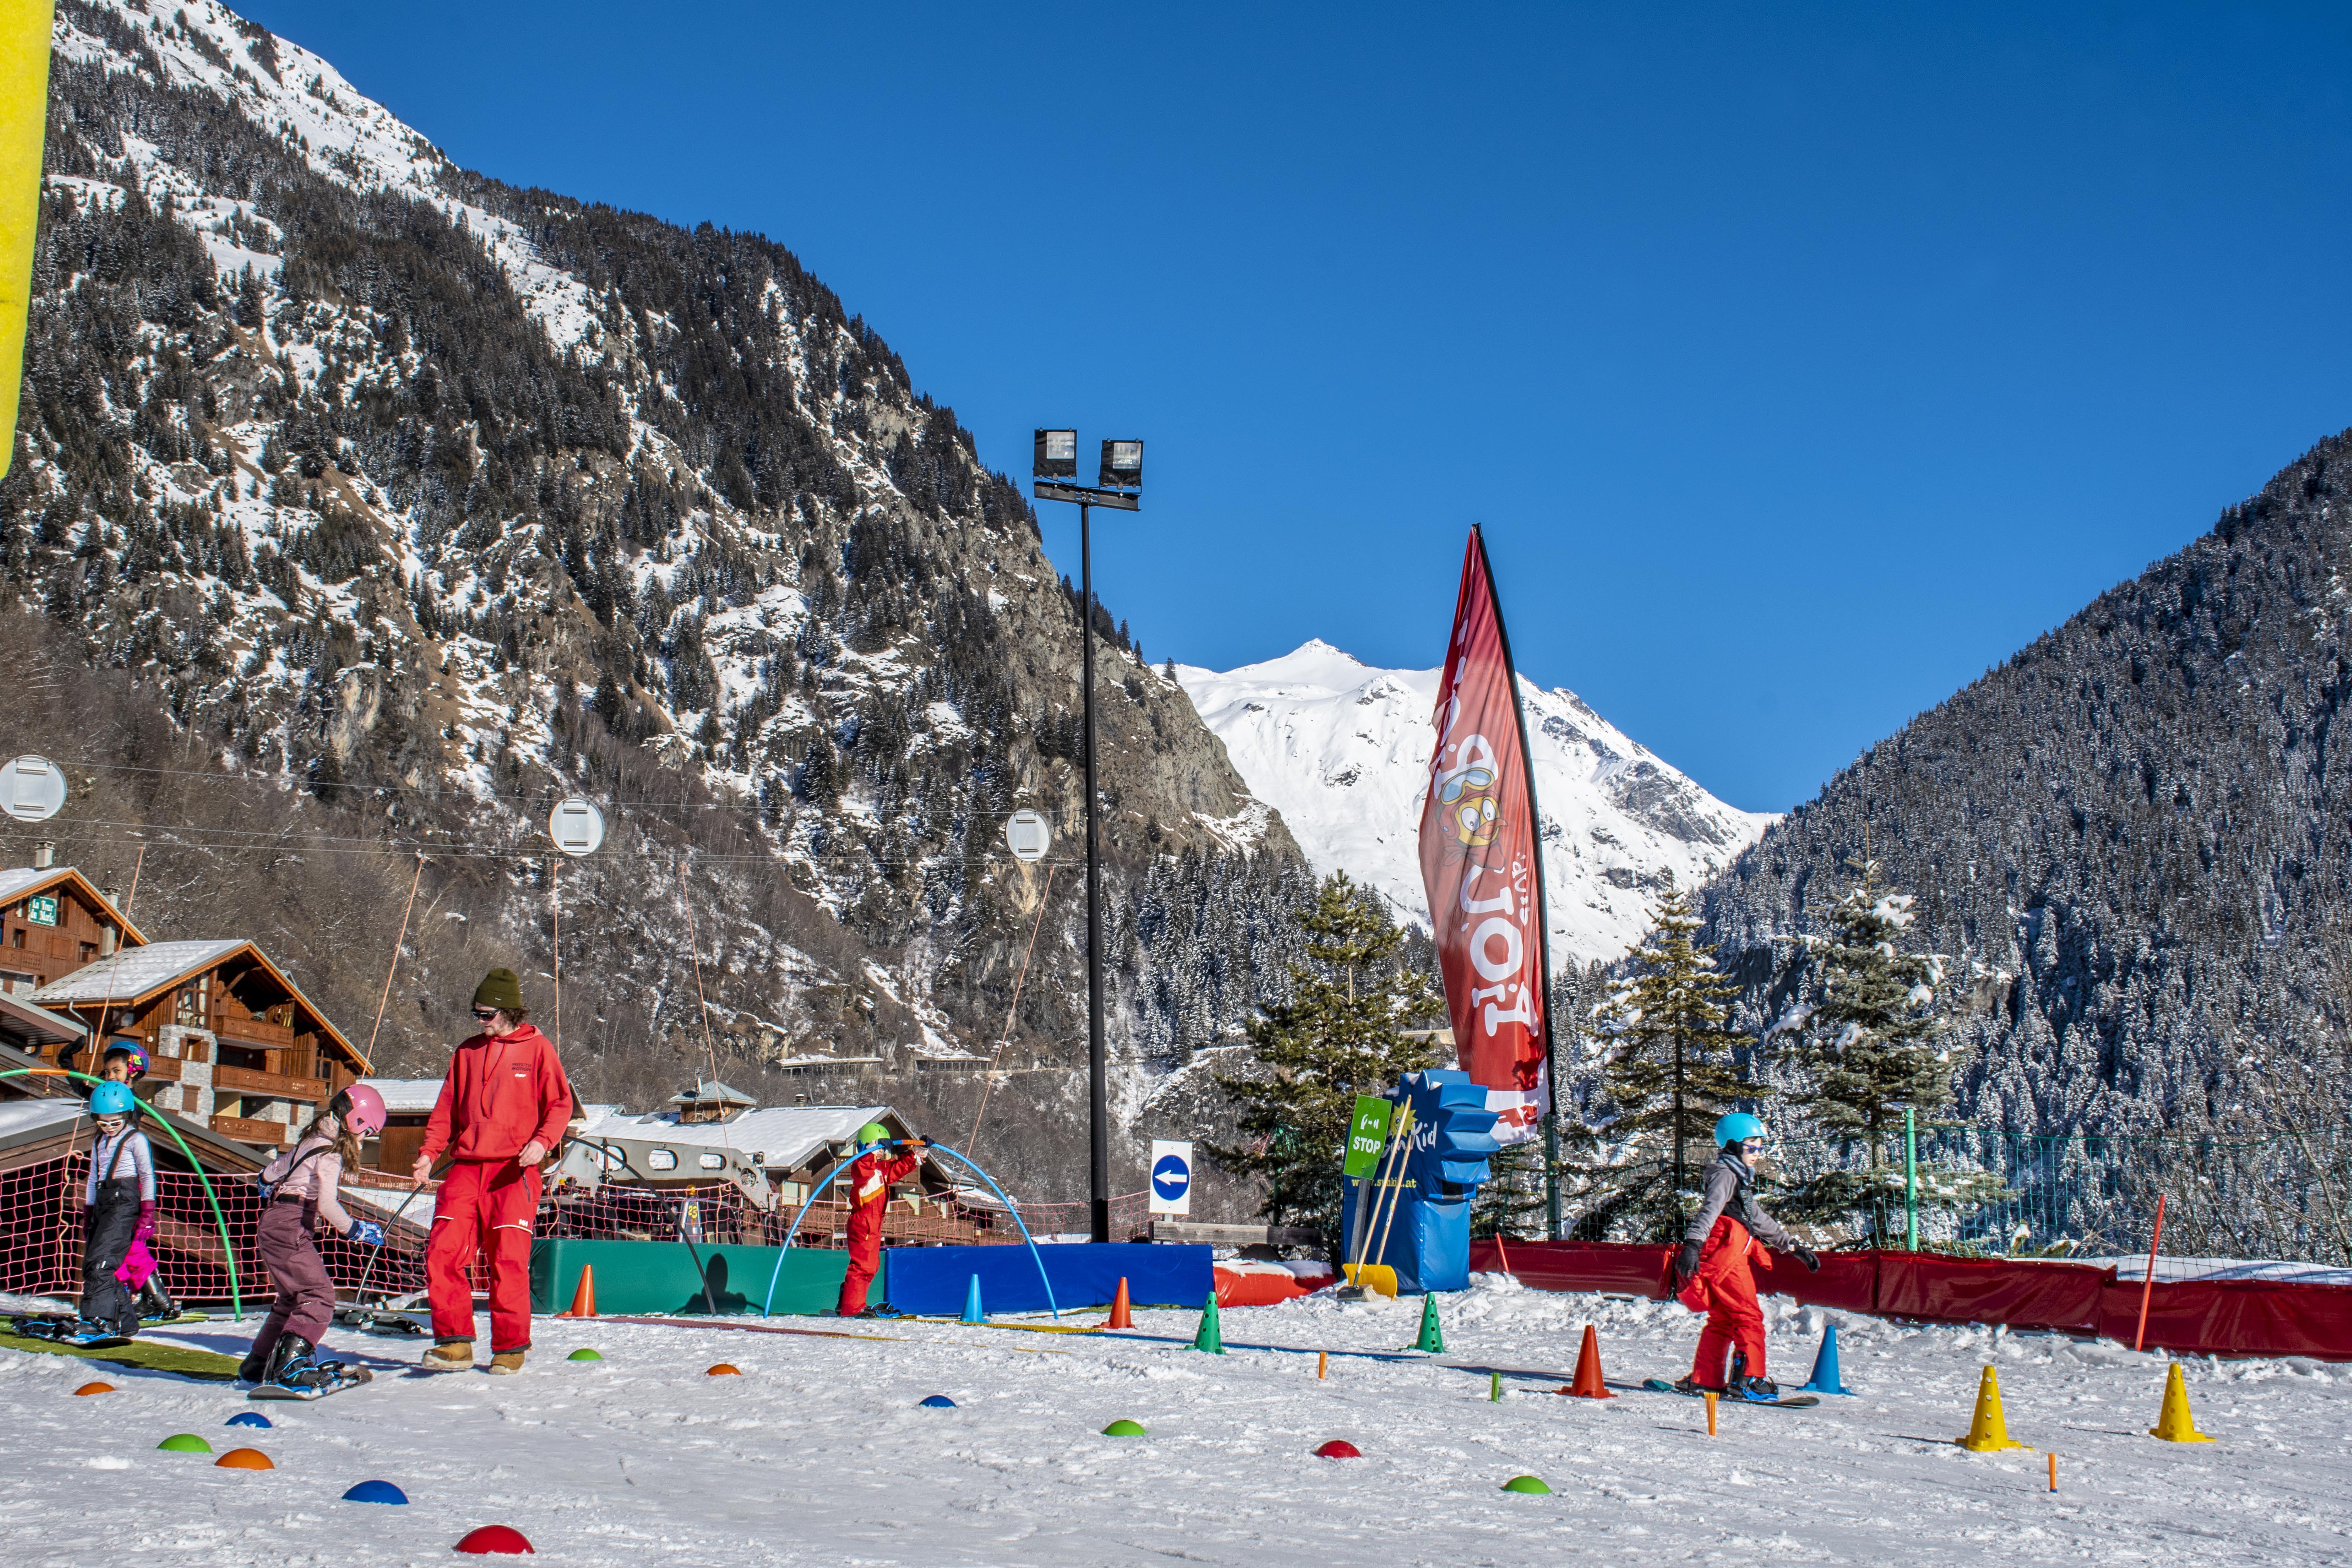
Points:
(1339, 1448)
(494, 1538)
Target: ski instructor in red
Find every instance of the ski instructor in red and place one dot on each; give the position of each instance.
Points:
(503, 1106)
(870, 1177)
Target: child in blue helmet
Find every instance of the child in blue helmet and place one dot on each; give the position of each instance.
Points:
(1712, 1270)
(119, 1209)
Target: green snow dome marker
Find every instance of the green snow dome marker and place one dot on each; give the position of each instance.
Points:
(1125, 1429)
(585, 1353)
(184, 1443)
(1531, 1485)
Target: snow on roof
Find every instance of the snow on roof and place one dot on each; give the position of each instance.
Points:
(707, 1093)
(19, 880)
(135, 970)
(407, 1095)
(783, 1135)
(22, 1116)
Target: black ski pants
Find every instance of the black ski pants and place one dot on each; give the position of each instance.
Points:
(111, 1222)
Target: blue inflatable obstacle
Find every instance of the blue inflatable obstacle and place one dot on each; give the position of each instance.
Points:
(375, 1491)
(1428, 1242)
(249, 1418)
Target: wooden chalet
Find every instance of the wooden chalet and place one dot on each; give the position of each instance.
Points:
(231, 1042)
(53, 921)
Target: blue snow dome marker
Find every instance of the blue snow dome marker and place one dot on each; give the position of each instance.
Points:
(1170, 1178)
(375, 1491)
(249, 1418)
(939, 1402)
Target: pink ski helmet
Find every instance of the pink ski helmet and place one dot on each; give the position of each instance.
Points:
(362, 1110)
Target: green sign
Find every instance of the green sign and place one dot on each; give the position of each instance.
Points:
(42, 910)
(1366, 1135)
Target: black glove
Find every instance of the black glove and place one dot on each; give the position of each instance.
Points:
(1686, 1262)
(1809, 1258)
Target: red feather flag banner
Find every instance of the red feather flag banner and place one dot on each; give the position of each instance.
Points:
(1480, 867)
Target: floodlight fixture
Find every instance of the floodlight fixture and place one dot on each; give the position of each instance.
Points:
(1122, 465)
(1057, 454)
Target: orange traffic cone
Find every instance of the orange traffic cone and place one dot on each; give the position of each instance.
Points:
(1588, 1384)
(1120, 1316)
(584, 1297)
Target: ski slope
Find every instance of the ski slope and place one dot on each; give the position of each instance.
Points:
(818, 1453)
(1342, 750)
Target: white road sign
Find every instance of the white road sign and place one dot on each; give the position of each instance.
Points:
(32, 789)
(577, 827)
(1172, 1177)
(1028, 835)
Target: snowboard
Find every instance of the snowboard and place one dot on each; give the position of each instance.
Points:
(1789, 1402)
(58, 1328)
(345, 1376)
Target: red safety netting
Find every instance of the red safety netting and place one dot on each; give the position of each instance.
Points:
(2195, 1317)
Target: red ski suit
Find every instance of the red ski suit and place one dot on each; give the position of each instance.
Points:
(1725, 1289)
(870, 1177)
(499, 1095)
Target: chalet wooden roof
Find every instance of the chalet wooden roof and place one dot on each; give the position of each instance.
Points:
(132, 977)
(23, 881)
(38, 1025)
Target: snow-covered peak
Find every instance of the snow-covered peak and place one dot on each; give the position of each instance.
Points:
(1342, 750)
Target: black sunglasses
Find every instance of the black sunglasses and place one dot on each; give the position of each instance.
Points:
(483, 1015)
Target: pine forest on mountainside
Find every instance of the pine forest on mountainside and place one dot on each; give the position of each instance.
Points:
(423, 500)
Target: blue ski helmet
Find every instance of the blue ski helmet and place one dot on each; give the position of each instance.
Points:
(111, 1099)
(1737, 1128)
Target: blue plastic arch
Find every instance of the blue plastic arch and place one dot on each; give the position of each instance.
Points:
(960, 1158)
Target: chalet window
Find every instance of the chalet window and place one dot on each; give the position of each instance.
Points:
(88, 951)
(712, 1159)
(662, 1160)
(16, 937)
(188, 1007)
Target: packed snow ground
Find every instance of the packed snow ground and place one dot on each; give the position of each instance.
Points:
(818, 1453)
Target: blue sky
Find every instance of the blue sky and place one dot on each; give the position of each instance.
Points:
(1800, 362)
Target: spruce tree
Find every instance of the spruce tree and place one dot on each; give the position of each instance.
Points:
(1871, 1048)
(1510, 1202)
(1341, 1035)
(1668, 1069)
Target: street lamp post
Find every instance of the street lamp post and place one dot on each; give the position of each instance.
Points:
(1121, 477)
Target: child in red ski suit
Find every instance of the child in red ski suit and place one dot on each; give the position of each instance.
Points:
(870, 1178)
(1712, 1268)
(503, 1107)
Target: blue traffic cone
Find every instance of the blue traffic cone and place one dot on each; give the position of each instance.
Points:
(973, 1312)
(1825, 1378)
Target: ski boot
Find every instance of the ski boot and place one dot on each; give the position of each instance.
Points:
(156, 1304)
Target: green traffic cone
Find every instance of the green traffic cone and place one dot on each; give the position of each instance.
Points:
(1211, 1337)
(1433, 1338)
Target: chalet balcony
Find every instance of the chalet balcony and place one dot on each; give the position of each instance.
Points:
(274, 1085)
(254, 1033)
(244, 1130)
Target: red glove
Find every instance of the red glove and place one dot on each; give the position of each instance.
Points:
(146, 1226)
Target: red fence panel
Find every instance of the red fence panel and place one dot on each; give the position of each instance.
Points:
(2226, 1317)
(1945, 1290)
(1618, 1268)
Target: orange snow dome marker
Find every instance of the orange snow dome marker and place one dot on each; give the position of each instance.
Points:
(724, 1370)
(94, 1388)
(489, 1538)
(244, 1459)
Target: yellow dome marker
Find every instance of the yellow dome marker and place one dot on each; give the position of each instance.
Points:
(2173, 1423)
(1988, 1432)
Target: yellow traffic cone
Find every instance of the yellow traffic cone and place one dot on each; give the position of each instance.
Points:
(2173, 1423)
(1988, 1433)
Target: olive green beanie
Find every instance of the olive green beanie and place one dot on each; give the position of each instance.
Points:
(500, 989)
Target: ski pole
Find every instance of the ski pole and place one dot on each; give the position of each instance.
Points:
(1396, 1184)
(1380, 1183)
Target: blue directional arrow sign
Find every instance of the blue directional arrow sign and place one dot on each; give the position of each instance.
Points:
(1172, 1177)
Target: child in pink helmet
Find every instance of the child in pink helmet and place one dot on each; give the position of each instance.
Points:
(299, 1188)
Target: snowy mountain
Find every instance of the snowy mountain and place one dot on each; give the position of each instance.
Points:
(1342, 750)
(363, 505)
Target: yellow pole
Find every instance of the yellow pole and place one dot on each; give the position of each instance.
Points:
(24, 27)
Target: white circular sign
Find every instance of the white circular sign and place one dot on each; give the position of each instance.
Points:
(32, 789)
(1028, 835)
(576, 825)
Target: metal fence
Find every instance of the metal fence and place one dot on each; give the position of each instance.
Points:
(1979, 1190)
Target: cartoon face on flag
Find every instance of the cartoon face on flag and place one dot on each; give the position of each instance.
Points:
(1478, 864)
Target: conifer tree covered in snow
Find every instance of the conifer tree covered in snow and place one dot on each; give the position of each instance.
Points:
(1870, 1044)
(1342, 1033)
(1668, 1070)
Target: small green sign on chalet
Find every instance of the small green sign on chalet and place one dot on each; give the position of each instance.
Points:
(42, 909)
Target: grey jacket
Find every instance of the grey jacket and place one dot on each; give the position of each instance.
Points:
(1727, 1192)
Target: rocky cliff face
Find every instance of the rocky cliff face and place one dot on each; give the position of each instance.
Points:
(410, 502)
